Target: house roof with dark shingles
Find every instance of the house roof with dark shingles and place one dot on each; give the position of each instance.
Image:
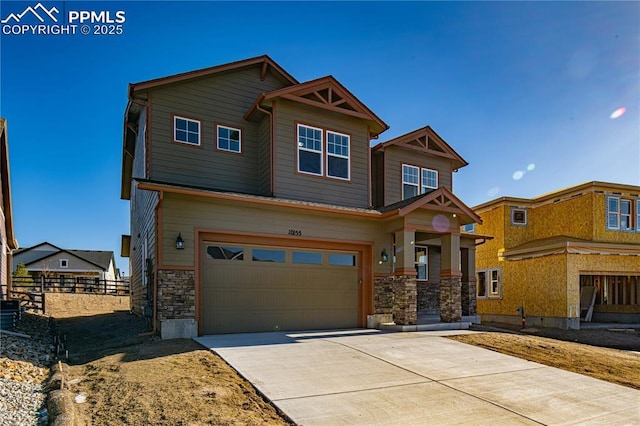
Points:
(27, 256)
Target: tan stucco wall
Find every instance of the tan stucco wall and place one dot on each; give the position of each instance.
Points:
(64, 305)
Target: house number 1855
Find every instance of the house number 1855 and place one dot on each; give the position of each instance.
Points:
(295, 232)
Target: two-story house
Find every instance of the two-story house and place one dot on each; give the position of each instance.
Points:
(7, 238)
(258, 204)
(548, 250)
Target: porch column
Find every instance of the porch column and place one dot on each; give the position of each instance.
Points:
(468, 281)
(405, 300)
(450, 279)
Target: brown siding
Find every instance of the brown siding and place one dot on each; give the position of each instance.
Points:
(220, 99)
(143, 205)
(298, 186)
(377, 179)
(395, 157)
(264, 156)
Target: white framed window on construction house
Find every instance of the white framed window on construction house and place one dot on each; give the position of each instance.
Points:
(64, 263)
(310, 149)
(229, 139)
(518, 216)
(621, 214)
(469, 227)
(186, 130)
(489, 283)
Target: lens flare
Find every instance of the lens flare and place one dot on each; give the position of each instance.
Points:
(531, 167)
(440, 223)
(618, 113)
(518, 175)
(493, 191)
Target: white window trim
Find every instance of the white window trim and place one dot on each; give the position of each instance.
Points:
(348, 157)
(220, 126)
(487, 275)
(629, 215)
(469, 227)
(64, 263)
(526, 216)
(300, 148)
(416, 185)
(425, 187)
(187, 119)
(616, 212)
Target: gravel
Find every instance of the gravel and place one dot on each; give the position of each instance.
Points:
(23, 370)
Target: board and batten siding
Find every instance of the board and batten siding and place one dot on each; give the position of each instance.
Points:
(186, 213)
(219, 99)
(395, 157)
(143, 204)
(291, 184)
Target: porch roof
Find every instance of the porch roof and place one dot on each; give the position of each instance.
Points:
(565, 244)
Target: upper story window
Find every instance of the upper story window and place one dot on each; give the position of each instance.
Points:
(518, 216)
(186, 130)
(417, 181)
(229, 139)
(64, 263)
(337, 155)
(469, 227)
(311, 152)
(621, 214)
(429, 180)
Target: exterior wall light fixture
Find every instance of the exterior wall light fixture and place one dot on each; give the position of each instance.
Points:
(179, 242)
(384, 256)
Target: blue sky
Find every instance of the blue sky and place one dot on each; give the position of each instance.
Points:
(523, 91)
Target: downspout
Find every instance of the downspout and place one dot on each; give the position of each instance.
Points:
(271, 139)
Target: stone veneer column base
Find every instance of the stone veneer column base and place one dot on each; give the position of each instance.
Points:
(450, 299)
(469, 302)
(397, 295)
(176, 306)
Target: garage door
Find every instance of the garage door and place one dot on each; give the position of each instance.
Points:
(264, 288)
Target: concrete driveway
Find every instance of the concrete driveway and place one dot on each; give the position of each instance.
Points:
(368, 377)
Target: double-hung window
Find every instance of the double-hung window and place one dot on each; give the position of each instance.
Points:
(429, 180)
(229, 139)
(323, 152)
(337, 155)
(310, 150)
(416, 180)
(489, 283)
(621, 214)
(613, 213)
(186, 130)
(410, 181)
(625, 215)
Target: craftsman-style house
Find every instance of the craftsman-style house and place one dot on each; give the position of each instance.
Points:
(565, 257)
(258, 204)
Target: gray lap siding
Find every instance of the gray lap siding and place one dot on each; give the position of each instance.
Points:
(291, 184)
(218, 100)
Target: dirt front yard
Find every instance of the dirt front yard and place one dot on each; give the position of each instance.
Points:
(126, 379)
(612, 355)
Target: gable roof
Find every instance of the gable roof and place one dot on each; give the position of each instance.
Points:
(425, 140)
(99, 258)
(5, 176)
(326, 93)
(264, 60)
(440, 199)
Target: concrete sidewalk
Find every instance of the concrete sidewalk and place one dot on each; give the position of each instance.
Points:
(368, 377)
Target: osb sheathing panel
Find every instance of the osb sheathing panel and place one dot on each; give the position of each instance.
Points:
(573, 218)
(493, 224)
(600, 232)
(514, 235)
(537, 284)
(597, 264)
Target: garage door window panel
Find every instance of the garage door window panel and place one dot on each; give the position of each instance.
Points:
(226, 252)
(307, 258)
(342, 259)
(266, 255)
